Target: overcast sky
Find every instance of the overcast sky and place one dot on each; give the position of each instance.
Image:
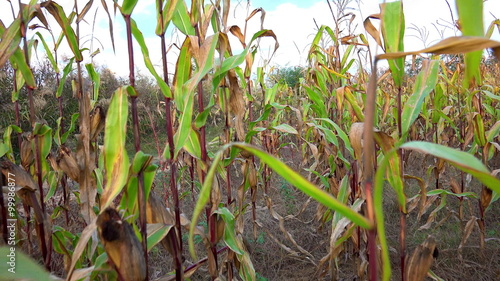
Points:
(292, 21)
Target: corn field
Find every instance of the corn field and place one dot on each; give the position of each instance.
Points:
(373, 162)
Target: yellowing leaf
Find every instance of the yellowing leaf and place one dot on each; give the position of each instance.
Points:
(115, 156)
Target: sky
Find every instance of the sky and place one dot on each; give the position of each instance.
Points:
(294, 22)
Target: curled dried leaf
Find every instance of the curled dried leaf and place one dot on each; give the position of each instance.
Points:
(22, 178)
(421, 260)
(97, 123)
(236, 103)
(66, 161)
(452, 45)
(27, 157)
(122, 246)
(486, 196)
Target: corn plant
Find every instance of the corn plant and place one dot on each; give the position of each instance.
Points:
(350, 125)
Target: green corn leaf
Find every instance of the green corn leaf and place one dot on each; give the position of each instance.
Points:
(202, 201)
(67, 69)
(98, 173)
(181, 19)
(354, 104)
(147, 60)
(22, 267)
(187, 93)
(156, 232)
(167, 14)
(341, 134)
(318, 105)
(316, 41)
(19, 83)
(96, 82)
(183, 71)
(378, 206)
(346, 55)
(184, 129)
(493, 131)
(447, 192)
(424, 84)
(11, 37)
(462, 160)
(271, 94)
(470, 14)
(234, 61)
(192, 145)
(393, 29)
(7, 140)
(342, 196)
(229, 232)
(4, 148)
(305, 186)
(140, 162)
(201, 118)
(65, 23)
(329, 135)
(48, 52)
(128, 6)
(149, 176)
(19, 60)
(52, 180)
(115, 156)
(285, 128)
(479, 133)
(72, 127)
(228, 64)
(44, 133)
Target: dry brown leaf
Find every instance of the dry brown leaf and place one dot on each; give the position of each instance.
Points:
(22, 178)
(97, 122)
(281, 221)
(82, 273)
(432, 216)
(225, 12)
(212, 264)
(236, 104)
(81, 246)
(200, 52)
(340, 98)
(486, 196)
(387, 103)
(236, 31)
(421, 260)
(385, 141)
(426, 205)
(122, 246)
(205, 20)
(67, 162)
(356, 139)
(270, 33)
(262, 16)
(469, 227)
(422, 198)
(455, 187)
(452, 45)
(372, 30)
(215, 195)
(26, 152)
